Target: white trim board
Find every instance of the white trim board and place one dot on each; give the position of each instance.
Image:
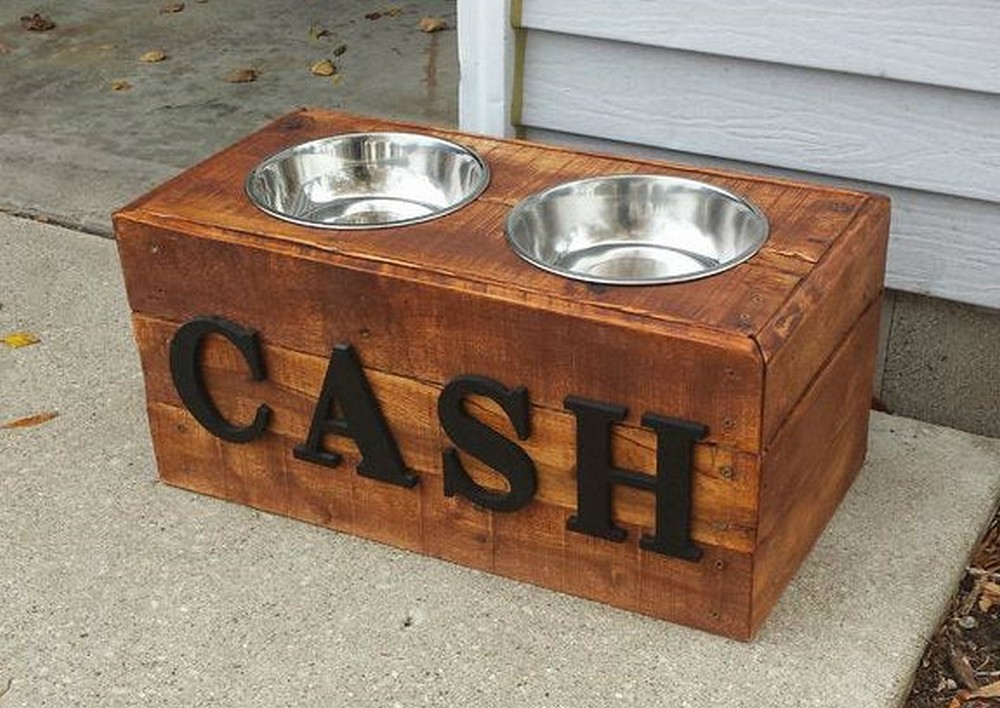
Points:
(486, 62)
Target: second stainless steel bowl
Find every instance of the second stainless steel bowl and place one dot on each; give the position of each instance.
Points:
(636, 229)
(367, 180)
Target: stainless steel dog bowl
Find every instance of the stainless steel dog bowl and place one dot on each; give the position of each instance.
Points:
(636, 229)
(367, 180)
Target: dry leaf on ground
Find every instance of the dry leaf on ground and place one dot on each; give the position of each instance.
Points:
(991, 690)
(153, 56)
(171, 7)
(37, 22)
(120, 85)
(30, 420)
(16, 340)
(340, 50)
(388, 12)
(962, 668)
(989, 595)
(433, 24)
(323, 68)
(316, 32)
(243, 75)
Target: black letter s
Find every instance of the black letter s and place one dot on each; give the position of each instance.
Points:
(487, 445)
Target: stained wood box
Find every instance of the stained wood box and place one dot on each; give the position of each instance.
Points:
(775, 358)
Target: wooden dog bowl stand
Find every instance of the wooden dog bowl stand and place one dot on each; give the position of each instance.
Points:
(767, 367)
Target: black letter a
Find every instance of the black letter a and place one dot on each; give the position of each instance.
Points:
(345, 383)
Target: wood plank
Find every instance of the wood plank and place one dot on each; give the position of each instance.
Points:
(308, 306)
(725, 483)
(457, 530)
(812, 462)
(317, 496)
(912, 135)
(821, 313)
(187, 455)
(711, 594)
(256, 474)
(948, 44)
(531, 545)
(942, 246)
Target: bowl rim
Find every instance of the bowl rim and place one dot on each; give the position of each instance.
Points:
(285, 153)
(533, 199)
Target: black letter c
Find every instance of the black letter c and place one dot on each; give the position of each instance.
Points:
(185, 368)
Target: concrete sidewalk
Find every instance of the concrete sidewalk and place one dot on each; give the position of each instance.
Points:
(119, 591)
(72, 149)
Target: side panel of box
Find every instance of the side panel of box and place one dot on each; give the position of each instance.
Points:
(531, 544)
(804, 334)
(812, 461)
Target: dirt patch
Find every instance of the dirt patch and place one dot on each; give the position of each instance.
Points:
(961, 664)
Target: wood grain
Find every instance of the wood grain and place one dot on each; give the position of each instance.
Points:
(435, 332)
(822, 311)
(812, 461)
(725, 483)
(530, 545)
(470, 243)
